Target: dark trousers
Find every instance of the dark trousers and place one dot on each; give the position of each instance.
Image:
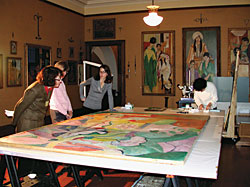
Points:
(57, 116)
(86, 110)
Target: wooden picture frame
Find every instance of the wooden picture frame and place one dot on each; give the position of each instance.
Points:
(13, 47)
(14, 72)
(158, 67)
(194, 65)
(59, 52)
(104, 28)
(72, 73)
(1, 71)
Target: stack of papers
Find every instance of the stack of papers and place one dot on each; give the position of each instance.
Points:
(9, 113)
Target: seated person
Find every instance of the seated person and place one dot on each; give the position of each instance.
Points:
(205, 94)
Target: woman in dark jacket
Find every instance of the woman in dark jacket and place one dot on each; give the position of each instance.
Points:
(31, 109)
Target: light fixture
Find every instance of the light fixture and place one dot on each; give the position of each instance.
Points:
(153, 19)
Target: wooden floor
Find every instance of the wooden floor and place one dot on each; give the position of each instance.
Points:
(234, 166)
(234, 170)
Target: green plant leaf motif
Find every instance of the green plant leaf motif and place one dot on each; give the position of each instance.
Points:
(177, 156)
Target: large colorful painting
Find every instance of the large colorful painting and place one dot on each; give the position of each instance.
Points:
(137, 136)
(158, 67)
(238, 40)
(201, 53)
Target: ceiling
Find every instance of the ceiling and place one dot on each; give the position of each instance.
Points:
(94, 7)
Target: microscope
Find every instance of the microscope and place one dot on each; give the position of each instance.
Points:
(187, 91)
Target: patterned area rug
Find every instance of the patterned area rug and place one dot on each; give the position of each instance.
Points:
(150, 181)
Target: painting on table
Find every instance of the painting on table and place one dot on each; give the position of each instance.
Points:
(144, 137)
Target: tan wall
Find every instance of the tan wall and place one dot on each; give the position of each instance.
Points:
(57, 26)
(132, 26)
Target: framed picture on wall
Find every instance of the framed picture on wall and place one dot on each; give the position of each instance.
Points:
(72, 74)
(59, 52)
(158, 67)
(104, 28)
(238, 40)
(13, 47)
(201, 53)
(14, 72)
(1, 71)
(71, 52)
(80, 73)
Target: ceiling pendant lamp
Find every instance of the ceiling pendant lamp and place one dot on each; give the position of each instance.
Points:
(153, 19)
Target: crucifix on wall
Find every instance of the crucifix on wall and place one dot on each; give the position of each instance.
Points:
(38, 19)
(200, 19)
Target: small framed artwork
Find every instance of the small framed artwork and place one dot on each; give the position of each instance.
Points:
(1, 71)
(13, 47)
(14, 71)
(104, 28)
(59, 52)
(80, 73)
(71, 52)
(72, 74)
(158, 52)
(201, 53)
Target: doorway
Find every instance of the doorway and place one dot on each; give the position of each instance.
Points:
(111, 53)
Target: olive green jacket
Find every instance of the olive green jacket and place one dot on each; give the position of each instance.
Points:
(31, 109)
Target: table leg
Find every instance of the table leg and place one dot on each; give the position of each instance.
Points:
(189, 182)
(76, 175)
(12, 171)
(53, 173)
(171, 178)
(2, 169)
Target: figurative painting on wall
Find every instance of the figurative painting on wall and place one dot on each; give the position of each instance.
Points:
(158, 67)
(1, 71)
(71, 52)
(72, 74)
(120, 136)
(238, 40)
(104, 28)
(14, 72)
(13, 47)
(201, 53)
(59, 52)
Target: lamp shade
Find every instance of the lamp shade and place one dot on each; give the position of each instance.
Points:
(153, 19)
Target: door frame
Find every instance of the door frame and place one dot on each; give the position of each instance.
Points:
(120, 58)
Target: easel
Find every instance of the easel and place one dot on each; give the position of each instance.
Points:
(230, 119)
